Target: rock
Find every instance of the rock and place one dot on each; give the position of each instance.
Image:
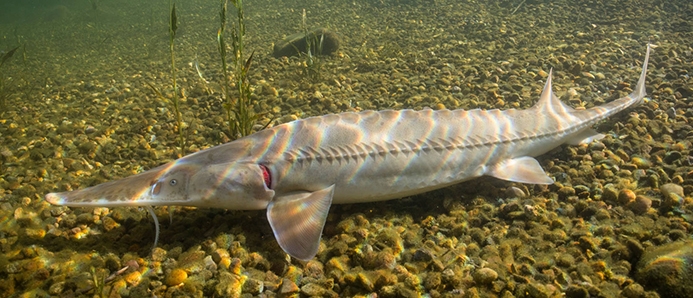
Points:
(209, 263)
(312, 290)
(515, 192)
(610, 194)
(537, 290)
(667, 269)
(641, 163)
(57, 288)
(364, 280)
(230, 285)
(288, 287)
(671, 189)
(566, 192)
(176, 277)
(296, 44)
(672, 196)
(640, 205)
(253, 286)
(485, 276)
(575, 291)
(422, 255)
(219, 254)
(633, 291)
(626, 196)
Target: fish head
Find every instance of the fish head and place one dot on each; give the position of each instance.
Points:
(171, 186)
(233, 185)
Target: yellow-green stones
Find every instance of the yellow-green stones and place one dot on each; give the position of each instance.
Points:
(668, 269)
(485, 276)
(672, 196)
(176, 277)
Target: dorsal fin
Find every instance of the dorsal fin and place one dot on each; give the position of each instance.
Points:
(640, 91)
(548, 101)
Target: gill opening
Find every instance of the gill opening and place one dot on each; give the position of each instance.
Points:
(266, 176)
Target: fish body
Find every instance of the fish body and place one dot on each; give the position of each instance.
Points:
(297, 170)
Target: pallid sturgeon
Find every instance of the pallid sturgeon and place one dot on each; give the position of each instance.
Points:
(297, 170)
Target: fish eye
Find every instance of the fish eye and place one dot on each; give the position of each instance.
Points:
(173, 182)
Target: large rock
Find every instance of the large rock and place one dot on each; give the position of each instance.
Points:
(296, 44)
(668, 269)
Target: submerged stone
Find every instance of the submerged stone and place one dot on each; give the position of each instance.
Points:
(320, 40)
(668, 269)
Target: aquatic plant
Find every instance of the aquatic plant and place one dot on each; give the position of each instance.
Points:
(172, 28)
(239, 110)
(94, 4)
(314, 48)
(518, 6)
(99, 282)
(23, 45)
(3, 88)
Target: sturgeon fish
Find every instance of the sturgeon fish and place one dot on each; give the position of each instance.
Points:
(297, 170)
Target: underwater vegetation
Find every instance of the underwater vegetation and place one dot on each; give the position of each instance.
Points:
(3, 88)
(314, 42)
(239, 108)
(94, 4)
(174, 101)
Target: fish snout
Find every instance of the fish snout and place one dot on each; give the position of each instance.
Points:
(54, 198)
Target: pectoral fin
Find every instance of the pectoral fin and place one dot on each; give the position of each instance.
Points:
(522, 169)
(297, 221)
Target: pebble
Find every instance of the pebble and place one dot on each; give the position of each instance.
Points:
(312, 290)
(515, 192)
(641, 163)
(485, 276)
(176, 277)
(288, 287)
(640, 205)
(542, 74)
(89, 129)
(57, 288)
(210, 264)
(610, 194)
(133, 278)
(672, 197)
(626, 196)
(253, 286)
(230, 285)
(633, 291)
(669, 189)
(109, 224)
(565, 192)
(575, 291)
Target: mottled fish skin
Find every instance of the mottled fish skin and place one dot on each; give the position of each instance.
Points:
(298, 169)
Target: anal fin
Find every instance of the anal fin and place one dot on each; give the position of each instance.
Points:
(522, 169)
(297, 221)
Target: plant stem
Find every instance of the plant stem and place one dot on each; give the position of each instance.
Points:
(173, 26)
